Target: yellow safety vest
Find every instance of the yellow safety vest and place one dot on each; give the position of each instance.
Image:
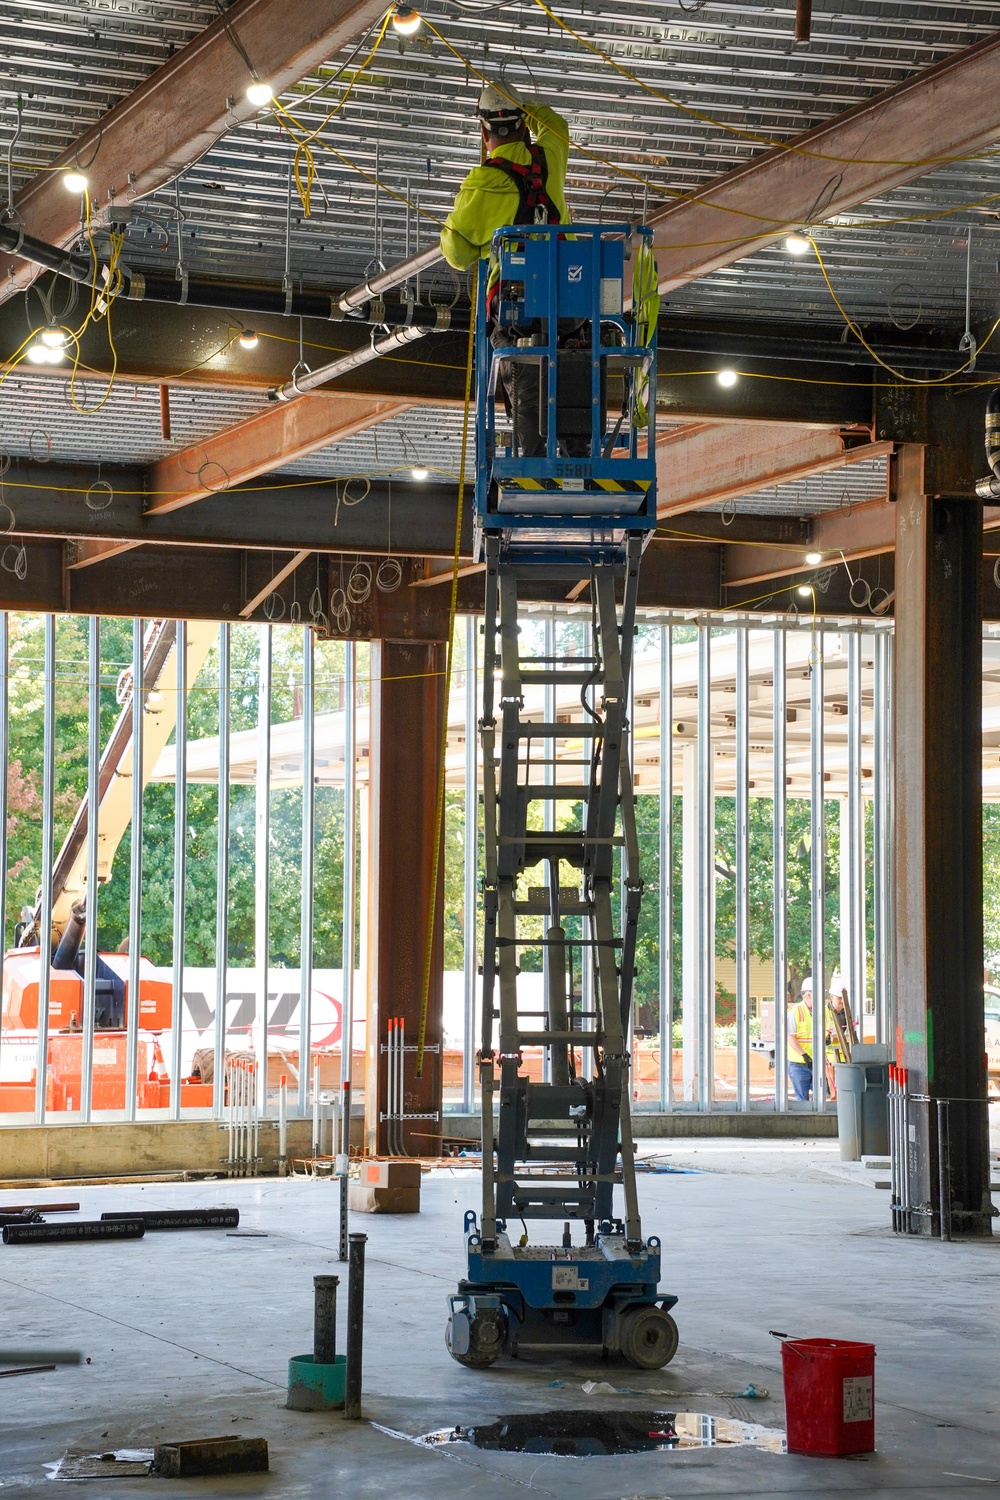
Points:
(800, 1033)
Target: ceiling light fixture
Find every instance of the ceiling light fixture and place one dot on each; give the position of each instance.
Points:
(75, 182)
(40, 353)
(798, 244)
(53, 337)
(405, 20)
(727, 378)
(259, 93)
(804, 590)
(419, 472)
(248, 339)
(814, 559)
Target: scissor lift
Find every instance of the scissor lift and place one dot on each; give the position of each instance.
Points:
(581, 512)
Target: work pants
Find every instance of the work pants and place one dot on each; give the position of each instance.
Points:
(801, 1075)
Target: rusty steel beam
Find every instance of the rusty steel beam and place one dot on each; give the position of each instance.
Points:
(714, 462)
(945, 111)
(180, 111)
(277, 436)
(938, 802)
(88, 551)
(407, 708)
(272, 585)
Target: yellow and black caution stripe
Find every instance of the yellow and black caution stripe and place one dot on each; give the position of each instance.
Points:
(575, 486)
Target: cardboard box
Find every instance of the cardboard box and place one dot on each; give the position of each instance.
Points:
(365, 1200)
(390, 1174)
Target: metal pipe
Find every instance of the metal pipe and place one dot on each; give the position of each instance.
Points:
(262, 846)
(944, 1169)
(882, 873)
(666, 891)
(4, 762)
(471, 851)
(548, 750)
(904, 1078)
(817, 868)
(742, 934)
(88, 1017)
(82, 1229)
(706, 874)
(394, 276)
(283, 1126)
(48, 829)
(135, 871)
(180, 869)
(355, 1326)
(855, 973)
(325, 1319)
(315, 1103)
(222, 878)
(780, 867)
(349, 918)
(803, 22)
(308, 885)
(300, 385)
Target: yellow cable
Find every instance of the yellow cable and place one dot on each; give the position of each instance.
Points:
(453, 609)
(750, 135)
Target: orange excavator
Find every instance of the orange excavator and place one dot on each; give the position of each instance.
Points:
(22, 965)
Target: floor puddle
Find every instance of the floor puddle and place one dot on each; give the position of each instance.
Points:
(590, 1434)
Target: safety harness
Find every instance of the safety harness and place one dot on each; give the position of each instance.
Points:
(535, 207)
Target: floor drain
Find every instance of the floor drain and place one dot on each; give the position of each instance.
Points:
(590, 1434)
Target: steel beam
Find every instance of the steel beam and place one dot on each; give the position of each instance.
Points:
(945, 111)
(407, 705)
(711, 463)
(181, 110)
(275, 437)
(938, 843)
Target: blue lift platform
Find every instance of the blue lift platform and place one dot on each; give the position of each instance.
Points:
(574, 306)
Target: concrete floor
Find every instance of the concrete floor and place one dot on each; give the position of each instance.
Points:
(189, 1334)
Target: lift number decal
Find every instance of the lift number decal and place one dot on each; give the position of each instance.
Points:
(567, 1279)
(858, 1398)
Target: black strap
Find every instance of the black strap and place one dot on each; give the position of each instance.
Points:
(532, 186)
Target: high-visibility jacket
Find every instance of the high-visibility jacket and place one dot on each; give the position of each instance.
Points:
(490, 198)
(800, 1033)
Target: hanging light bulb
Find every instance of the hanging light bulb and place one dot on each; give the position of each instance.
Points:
(260, 93)
(42, 352)
(797, 244)
(727, 378)
(248, 339)
(53, 337)
(75, 182)
(814, 559)
(804, 590)
(419, 472)
(37, 354)
(405, 20)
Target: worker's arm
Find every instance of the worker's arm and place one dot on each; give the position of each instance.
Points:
(457, 248)
(551, 132)
(485, 200)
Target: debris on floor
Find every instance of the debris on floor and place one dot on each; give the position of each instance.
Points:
(590, 1434)
(121, 1463)
(218, 1455)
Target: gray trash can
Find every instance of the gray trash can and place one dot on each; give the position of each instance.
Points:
(862, 1109)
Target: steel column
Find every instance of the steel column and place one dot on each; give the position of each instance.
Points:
(882, 867)
(222, 878)
(407, 703)
(93, 886)
(853, 955)
(350, 891)
(742, 868)
(780, 868)
(308, 883)
(471, 852)
(706, 872)
(48, 829)
(180, 869)
(262, 858)
(135, 871)
(938, 848)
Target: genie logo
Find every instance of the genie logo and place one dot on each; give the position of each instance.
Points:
(575, 273)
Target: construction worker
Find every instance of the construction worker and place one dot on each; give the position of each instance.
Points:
(800, 1042)
(522, 181)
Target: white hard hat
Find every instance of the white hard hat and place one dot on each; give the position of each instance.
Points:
(807, 985)
(500, 112)
(836, 982)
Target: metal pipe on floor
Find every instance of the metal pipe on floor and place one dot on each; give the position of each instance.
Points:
(325, 1319)
(355, 1326)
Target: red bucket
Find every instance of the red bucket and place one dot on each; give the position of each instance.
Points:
(829, 1396)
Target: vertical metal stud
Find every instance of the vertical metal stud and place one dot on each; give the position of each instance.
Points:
(135, 870)
(666, 913)
(817, 867)
(854, 974)
(180, 868)
(222, 878)
(780, 867)
(471, 858)
(706, 873)
(308, 885)
(262, 857)
(742, 868)
(48, 829)
(93, 886)
(4, 761)
(882, 867)
(548, 806)
(350, 902)
(886, 1023)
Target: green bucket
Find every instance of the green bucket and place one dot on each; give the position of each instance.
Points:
(313, 1387)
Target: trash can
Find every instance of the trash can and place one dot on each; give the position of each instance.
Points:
(862, 1109)
(829, 1396)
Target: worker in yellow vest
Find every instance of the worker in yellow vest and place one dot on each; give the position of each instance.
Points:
(800, 1042)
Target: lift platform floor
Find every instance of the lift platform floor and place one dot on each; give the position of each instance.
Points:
(189, 1336)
